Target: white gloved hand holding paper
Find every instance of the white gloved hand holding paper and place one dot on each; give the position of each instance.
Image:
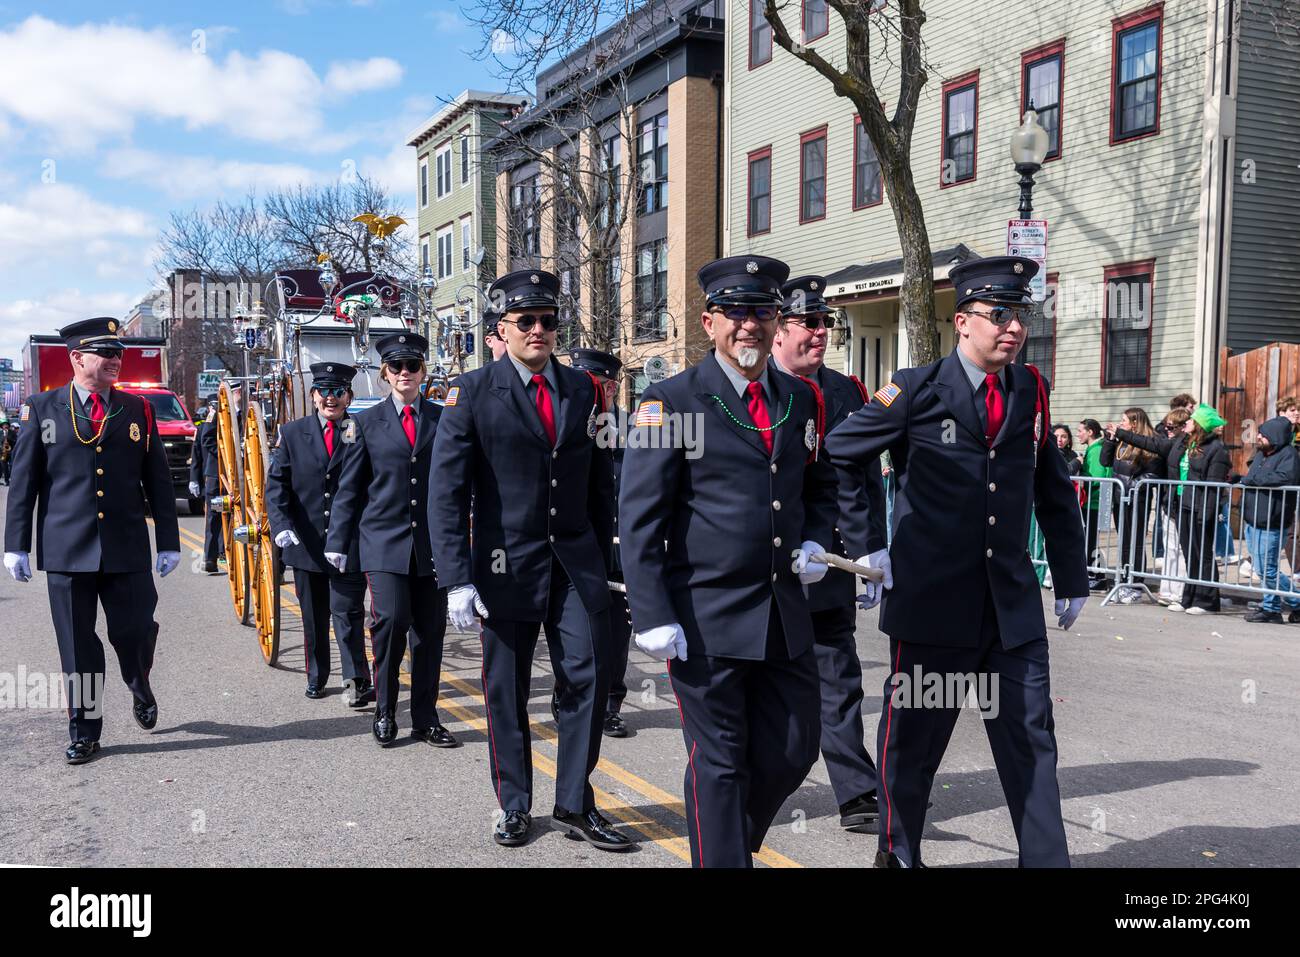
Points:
(463, 603)
(664, 642)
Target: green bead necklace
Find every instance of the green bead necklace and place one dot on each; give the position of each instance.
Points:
(789, 404)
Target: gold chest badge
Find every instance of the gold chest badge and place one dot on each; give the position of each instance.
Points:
(135, 432)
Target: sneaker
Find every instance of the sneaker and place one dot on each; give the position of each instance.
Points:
(1260, 615)
(1196, 610)
(1174, 606)
(1246, 570)
(1129, 596)
(1231, 560)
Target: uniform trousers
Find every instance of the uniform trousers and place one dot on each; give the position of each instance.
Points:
(620, 628)
(401, 604)
(129, 600)
(914, 733)
(843, 741)
(578, 643)
(751, 731)
(324, 595)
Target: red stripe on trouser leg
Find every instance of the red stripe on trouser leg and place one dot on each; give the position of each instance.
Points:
(884, 758)
(374, 662)
(487, 709)
(690, 758)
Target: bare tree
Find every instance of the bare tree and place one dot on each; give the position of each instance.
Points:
(308, 222)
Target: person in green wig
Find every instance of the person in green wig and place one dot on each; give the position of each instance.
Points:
(1196, 455)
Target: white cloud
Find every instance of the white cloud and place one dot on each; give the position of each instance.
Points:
(396, 171)
(20, 318)
(504, 43)
(347, 77)
(59, 221)
(204, 176)
(81, 84)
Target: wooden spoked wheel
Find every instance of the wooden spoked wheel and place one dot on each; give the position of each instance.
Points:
(264, 572)
(230, 473)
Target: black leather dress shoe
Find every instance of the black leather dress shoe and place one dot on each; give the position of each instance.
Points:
(146, 715)
(1260, 615)
(888, 859)
(313, 692)
(590, 827)
(438, 736)
(211, 568)
(861, 811)
(614, 726)
(385, 728)
(81, 751)
(512, 829)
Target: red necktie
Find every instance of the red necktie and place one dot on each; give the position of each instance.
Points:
(408, 424)
(758, 412)
(96, 409)
(329, 438)
(994, 406)
(544, 410)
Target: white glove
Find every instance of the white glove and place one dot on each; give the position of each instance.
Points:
(167, 562)
(337, 559)
(18, 566)
(875, 591)
(1067, 610)
(286, 538)
(809, 571)
(463, 603)
(665, 641)
(194, 490)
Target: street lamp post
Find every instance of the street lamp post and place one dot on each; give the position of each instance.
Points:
(1029, 144)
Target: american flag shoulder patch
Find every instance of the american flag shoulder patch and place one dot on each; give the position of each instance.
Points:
(888, 394)
(650, 413)
(26, 413)
(453, 396)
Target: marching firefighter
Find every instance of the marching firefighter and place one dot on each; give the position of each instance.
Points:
(302, 482)
(800, 349)
(205, 482)
(717, 543)
(88, 459)
(382, 503)
(517, 444)
(968, 438)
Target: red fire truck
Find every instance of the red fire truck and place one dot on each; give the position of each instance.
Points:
(144, 373)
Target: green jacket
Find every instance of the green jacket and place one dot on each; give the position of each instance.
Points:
(1092, 466)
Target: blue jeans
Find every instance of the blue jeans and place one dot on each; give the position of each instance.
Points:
(1223, 547)
(1264, 545)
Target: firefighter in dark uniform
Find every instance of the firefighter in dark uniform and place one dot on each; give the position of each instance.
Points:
(969, 440)
(716, 538)
(205, 482)
(605, 368)
(382, 503)
(518, 441)
(8, 440)
(88, 459)
(303, 480)
(800, 349)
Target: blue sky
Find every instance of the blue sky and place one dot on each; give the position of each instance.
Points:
(112, 115)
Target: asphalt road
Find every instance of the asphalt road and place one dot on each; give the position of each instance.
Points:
(1177, 736)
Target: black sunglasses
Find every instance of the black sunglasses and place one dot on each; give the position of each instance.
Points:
(332, 391)
(409, 365)
(815, 320)
(105, 353)
(1003, 315)
(550, 322)
(741, 313)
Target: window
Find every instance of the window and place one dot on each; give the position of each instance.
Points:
(816, 20)
(465, 242)
(424, 183)
(1040, 346)
(1135, 68)
(760, 191)
(444, 252)
(524, 231)
(652, 290)
(611, 184)
(868, 190)
(464, 156)
(652, 161)
(760, 34)
(424, 251)
(1040, 84)
(812, 176)
(960, 102)
(566, 197)
(570, 305)
(1126, 326)
(442, 171)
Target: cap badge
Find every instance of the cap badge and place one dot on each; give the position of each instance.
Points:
(969, 291)
(329, 368)
(751, 267)
(535, 279)
(813, 284)
(1019, 268)
(401, 338)
(112, 326)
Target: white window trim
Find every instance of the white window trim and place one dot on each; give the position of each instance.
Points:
(424, 252)
(424, 179)
(451, 183)
(465, 153)
(466, 238)
(448, 233)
